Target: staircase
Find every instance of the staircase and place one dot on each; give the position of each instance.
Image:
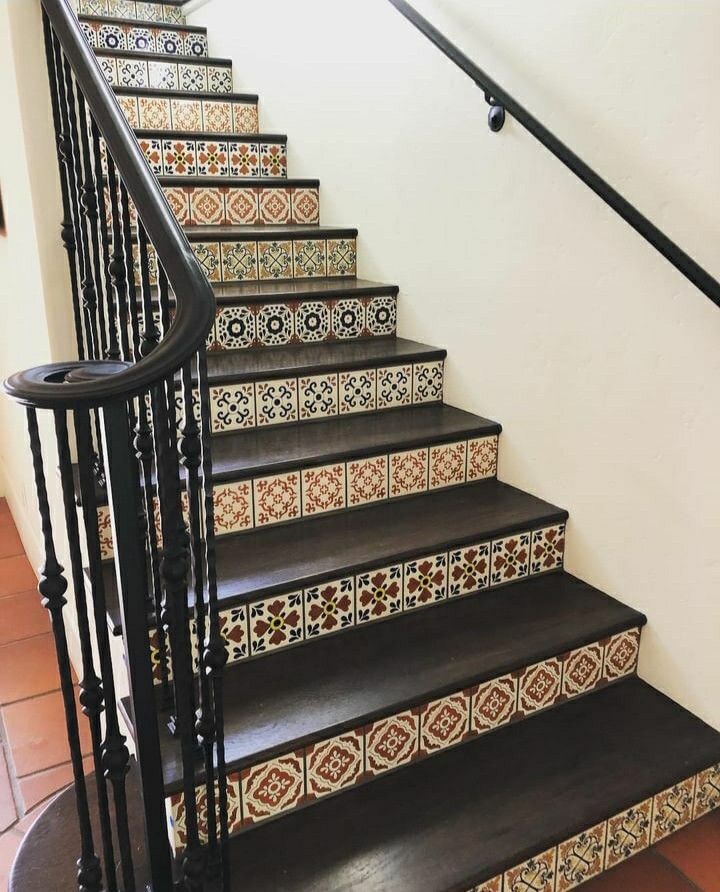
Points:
(418, 696)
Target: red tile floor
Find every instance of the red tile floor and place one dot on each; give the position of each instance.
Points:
(34, 758)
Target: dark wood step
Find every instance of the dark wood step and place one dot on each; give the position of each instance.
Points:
(236, 182)
(461, 818)
(266, 232)
(142, 23)
(167, 57)
(299, 289)
(298, 697)
(258, 563)
(310, 359)
(204, 136)
(247, 98)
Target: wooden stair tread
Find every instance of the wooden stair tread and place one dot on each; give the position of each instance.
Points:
(461, 818)
(258, 563)
(298, 289)
(165, 57)
(212, 136)
(143, 23)
(121, 90)
(247, 233)
(238, 183)
(271, 450)
(278, 703)
(308, 359)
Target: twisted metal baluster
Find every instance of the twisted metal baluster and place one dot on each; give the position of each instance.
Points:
(130, 271)
(112, 305)
(117, 267)
(91, 689)
(52, 587)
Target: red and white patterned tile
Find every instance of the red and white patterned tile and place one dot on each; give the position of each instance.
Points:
(672, 810)
(482, 454)
(447, 465)
(277, 498)
(329, 607)
(583, 670)
(276, 622)
(305, 206)
(233, 507)
(179, 201)
(273, 160)
(272, 788)
(621, 655)
(335, 764)
(390, 743)
(425, 581)
(535, 875)
(241, 207)
(234, 628)
(367, 480)
(493, 704)
(379, 594)
(628, 833)
(469, 569)
(510, 559)
(244, 159)
(444, 723)
(408, 472)
(207, 207)
(540, 686)
(212, 158)
(323, 489)
(581, 858)
(548, 549)
(275, 207)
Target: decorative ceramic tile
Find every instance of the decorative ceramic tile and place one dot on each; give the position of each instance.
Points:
(275, 206)
(245, 118)
(482, 458)
(109, 36)
(367, 480)
(493, 704)
(186, 114)
(153, 151)
(672, 810)
(105, 532)
(494, 885)
(273, 161)
(312, 321)
(707, 794)
(194, 43)
(583, 670)
(628, 833)
(408, 472)
(233, 507)
(348, 318)
(218, 116)
(394, 386)
(334, 764)
(341, 257)
(193, 78)
(357, 391)
(274, 325)
(276, 622)
(444, 723)
(241, 207)
(425, 581)
(378, 594)
(110, 71)
(244, 159)
(323, 489)
(170, 42)
(305, 206)
(391, 742)
(277, 498)
(275, 260)
(469, 569)
(239, 261)
(234, 817)
(447, 464)
(179, 157)
(510, 559)
(212, 158)
(428, 382)
(163, 75)
(179, 202)
(539, 686)
(207, 255)
(145, 11)
(535, 875)
(207, 206)
(548, 549)
(234, 629)
(276, 402)
(129, 106)
(329, 607)
(232, 407)
(621, 654)
(309, 259)
(318, 396)
(272, 788)
(381, 316)
(219, 79)
(173, 15)
(580, 858)
(235, 327)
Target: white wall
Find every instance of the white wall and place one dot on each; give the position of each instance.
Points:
(600, 360)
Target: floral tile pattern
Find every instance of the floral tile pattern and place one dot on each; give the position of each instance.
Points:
(425, 581)
(379, 594)
(444, 723)
(318, 396)
(193, 77)
(621, 655)
(510, 559)
(143, 10)
(146, 38)
(469, 569)
(188, 115)
(580, 858)
(583, 670)
(329, 607)
(277, 622)
(540, 686)
(277, 498)
(367, 480)
(707, 794)
(672, 810)
(390, 743)
(535, 875)
(272, 788)
(334, 764)
(323, 489)
(628, 833)
(493, 704)
(547, 548)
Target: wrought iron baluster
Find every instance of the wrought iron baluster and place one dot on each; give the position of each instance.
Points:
(52, 587)
(150, 334)
(118, 265)
(133, 306)
(112, 305)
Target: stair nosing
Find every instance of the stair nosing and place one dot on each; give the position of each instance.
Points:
(204, 95)
(354, 286)
(206, 135)
(141, 23)
(214, 61)
(240, 182)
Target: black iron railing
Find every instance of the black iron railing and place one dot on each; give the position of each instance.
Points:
(502, 102)
(133, 414)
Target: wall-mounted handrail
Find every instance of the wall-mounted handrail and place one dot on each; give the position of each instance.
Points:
(195, 299)
(672, 252)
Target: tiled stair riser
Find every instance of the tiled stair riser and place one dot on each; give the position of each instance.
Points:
(165, 74)
(210, 157)
(609, 843)
(307, 492)
(267, 790)
(272, 259)
(142, 10)
(243, 326)
(326, 608)
(145, 38)
(189, 115)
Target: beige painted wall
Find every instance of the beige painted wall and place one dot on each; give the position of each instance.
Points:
(601, 362)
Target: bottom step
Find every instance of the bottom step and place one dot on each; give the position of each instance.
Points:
(541, 806)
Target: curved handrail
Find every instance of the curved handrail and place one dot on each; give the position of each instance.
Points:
(194, 296)
(672, 252)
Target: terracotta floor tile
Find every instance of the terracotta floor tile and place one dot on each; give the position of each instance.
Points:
(26, 823)
(38, 787)
(644, 873)
(36, 733)
(16, 575)
(4, 507)
(10, 543)
(22, 616)
(8, 815)
(28, 668)
(696, 852)
(9, 844)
